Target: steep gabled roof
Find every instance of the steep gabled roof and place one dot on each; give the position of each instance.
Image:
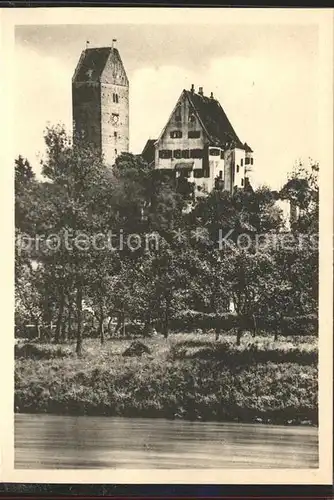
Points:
(214, 120)
(247, 148)
(149, 150)
(93, 62)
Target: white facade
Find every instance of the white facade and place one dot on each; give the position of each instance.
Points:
(199, 144)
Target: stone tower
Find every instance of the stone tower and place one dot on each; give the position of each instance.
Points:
(100, 101)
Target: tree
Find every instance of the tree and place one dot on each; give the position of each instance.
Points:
(79, 209)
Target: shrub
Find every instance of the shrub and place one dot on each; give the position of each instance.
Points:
(44, 351)
(137, 348)
(246, 354)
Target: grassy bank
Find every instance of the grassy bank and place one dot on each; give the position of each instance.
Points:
(187, 376)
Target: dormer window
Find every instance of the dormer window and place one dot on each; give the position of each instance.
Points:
(194, 134)
(176, 134)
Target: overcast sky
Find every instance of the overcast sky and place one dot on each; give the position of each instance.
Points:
(265, 77)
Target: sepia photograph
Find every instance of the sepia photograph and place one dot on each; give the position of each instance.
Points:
(168, 277)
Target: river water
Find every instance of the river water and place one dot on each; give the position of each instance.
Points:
(58, 442)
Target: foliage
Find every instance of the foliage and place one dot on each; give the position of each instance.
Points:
(170, 264)
(104, 382)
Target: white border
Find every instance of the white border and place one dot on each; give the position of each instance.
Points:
(323, 18)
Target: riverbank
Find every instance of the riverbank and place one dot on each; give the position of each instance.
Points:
(186, 376)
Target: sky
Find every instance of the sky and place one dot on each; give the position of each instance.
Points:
(266, 78)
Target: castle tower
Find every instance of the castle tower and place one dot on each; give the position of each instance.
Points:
(100, 101)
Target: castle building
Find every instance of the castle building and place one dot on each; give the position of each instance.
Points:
(100, 101)
(199, 143)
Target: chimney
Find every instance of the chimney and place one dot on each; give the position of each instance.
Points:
(211, 95)
(192, 88)
(113, 43)
(200, 91)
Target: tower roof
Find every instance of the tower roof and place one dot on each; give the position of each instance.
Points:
(214, 120)
(93, 63)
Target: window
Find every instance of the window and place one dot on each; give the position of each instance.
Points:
(185, 153)
(237, 168)
(214, 152)
(251, 161)
(115, 135)
(115, 118)
(242, 182)
(220, 174)
(176, 134)
(178, 114)
(221, 154)
(242, 161)
(194, 134)
(192, 118)
(196, 153)
(177, 153)
(115, 98)
(247, 161)
(165, 153)
(198, 173)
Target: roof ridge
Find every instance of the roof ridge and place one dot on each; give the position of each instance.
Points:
(214, 119)
(196, 110)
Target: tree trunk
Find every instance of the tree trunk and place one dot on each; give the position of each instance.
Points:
(166, 321)
(254, 325)
(239, 334)
(59, 318)
(278, 320)
(69, 317)
(109, 326)
(147, 325)
(240, 327)
(64, 330)
(123, 324)
(38, 328)
(78, 348)
(119, 322)
(101, 326)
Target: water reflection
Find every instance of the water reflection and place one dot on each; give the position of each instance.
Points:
(57, 442)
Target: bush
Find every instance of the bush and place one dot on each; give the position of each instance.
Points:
(280, 393)
(137, 349)
(301, 325)
(189, 320)
(249, 354)
(46, 351)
